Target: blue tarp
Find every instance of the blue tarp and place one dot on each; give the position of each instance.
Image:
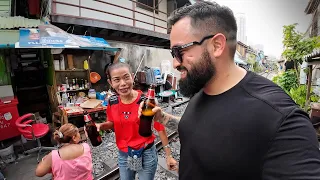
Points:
(49, 36)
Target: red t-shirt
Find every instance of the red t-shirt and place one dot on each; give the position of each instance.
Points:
(126, 123)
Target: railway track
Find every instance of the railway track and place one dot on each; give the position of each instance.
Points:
(114, 173)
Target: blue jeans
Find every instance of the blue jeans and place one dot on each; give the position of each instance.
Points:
(1, 176)
(149, 165)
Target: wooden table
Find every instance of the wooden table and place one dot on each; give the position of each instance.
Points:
(62, 117)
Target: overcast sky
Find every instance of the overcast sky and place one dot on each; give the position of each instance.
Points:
(265, 19)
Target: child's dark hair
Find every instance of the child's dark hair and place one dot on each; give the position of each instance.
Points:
(111, 66)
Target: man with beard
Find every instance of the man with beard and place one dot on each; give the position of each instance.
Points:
(237, 124)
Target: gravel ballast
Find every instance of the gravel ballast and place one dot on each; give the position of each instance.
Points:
(105, 156)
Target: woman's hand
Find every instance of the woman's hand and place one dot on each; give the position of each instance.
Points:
(157, 110)
(98, 125)
(171, 163)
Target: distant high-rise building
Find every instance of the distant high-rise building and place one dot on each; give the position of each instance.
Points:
(242, 32)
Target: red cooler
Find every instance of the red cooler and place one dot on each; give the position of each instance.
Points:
(8, 116)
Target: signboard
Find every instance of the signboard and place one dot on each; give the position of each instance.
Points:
(8, 116)
(29, 37)
(94, 41)
(49, 36)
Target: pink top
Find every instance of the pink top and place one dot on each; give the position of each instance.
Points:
(79, 168)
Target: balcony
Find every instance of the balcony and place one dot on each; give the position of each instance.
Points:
(122, 20)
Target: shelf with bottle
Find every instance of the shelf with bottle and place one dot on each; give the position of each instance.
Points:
(73, 85)
(72, 70)
(75, 90)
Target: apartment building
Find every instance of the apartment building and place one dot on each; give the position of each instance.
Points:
(137, 26)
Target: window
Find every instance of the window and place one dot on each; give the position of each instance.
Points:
(148, 5)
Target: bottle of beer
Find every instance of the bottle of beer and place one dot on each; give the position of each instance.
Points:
(147, 113)
(91, 129)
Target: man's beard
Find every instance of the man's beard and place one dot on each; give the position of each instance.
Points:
(198, 76)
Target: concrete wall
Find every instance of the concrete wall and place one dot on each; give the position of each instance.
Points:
(102, 7)
(241, 50)
(153, 58)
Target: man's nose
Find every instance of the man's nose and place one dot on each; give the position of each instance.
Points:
(176, 63)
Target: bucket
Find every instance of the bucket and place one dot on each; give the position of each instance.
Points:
(7, 154)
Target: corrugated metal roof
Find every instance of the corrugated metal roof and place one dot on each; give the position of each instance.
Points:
(18, 22)
(8, 37)
(315, 53)
(5, 7)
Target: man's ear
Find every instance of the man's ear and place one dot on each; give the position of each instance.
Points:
(217, 45)
(132, 75)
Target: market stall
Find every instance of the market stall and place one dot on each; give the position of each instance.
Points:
(48, 64)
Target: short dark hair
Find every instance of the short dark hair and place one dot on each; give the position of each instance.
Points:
(208, 18)
(111, 66)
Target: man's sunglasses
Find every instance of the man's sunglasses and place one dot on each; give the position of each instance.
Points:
(176, 50)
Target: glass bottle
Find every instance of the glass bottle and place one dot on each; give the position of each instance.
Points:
(91, 129)
(147, 114)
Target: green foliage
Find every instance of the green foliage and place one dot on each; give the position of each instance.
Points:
(295, 45)
(275, 79)
(251, 59)
(299, 95)
(256, 67)
(286, 80)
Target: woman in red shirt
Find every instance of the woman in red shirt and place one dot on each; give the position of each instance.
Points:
(137, 154)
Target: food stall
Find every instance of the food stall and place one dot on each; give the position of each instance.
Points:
(68, 73)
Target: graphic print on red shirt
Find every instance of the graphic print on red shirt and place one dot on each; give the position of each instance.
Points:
(126, 123)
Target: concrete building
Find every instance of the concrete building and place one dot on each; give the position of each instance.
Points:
(313, 8)
(241, 24)
(245, 50)
(130, 24)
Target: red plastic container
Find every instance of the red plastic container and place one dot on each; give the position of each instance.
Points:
(34, 7)
(8, 116)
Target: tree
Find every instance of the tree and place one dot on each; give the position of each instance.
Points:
(254, 64)
(296, 46)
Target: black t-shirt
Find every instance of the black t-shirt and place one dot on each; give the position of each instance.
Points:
(252, 131)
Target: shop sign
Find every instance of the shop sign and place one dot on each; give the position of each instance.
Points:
(5, 120)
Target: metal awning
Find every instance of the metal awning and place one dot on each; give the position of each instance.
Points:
(8, 38)
(50, 36)
(13, 22)
(314, 56)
